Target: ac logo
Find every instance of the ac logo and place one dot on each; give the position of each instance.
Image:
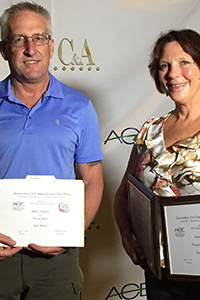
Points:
(125, 137)
(18, 206)
(179, 232)
(128, 292)
(18, 203)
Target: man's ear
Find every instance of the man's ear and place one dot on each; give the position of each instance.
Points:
(3, 47)
(51, 44)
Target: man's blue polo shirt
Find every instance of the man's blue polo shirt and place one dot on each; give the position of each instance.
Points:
(60, 129)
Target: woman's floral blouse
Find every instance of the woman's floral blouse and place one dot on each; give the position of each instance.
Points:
(168, 172)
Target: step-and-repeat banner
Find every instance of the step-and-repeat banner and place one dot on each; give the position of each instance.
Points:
(102, 49)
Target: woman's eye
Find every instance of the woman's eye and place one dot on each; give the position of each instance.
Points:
(163, 67)
(184, 62)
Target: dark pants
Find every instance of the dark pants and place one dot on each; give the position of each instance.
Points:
(170, 289)
(27, 275)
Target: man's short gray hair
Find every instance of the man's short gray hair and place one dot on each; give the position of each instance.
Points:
(24, 5)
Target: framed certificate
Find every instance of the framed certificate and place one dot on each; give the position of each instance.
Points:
(181, 223)
(145, 220)
(173, 222)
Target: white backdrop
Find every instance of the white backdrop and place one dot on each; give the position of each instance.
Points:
(102, 49)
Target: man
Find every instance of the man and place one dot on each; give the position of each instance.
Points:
(45, 127)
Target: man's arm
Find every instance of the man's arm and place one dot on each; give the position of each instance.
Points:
(122, 216)
(92, 176)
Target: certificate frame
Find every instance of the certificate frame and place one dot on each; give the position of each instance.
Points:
(181, 265)
(180, 219)
(146, 222)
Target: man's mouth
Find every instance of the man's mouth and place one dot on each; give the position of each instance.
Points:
(31, 62)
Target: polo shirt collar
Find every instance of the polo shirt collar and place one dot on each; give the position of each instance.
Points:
(54, 90)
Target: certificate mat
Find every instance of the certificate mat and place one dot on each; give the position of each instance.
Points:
(181, 216)
(43, 210)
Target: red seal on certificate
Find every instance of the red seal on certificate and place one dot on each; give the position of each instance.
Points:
(64, 206)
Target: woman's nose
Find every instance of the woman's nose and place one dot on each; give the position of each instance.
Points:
(174, 71)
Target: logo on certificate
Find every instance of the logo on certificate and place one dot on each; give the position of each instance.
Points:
(64, 206)
(179, 231)
(18, 206)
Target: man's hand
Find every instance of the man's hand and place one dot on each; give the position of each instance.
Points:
(8, 250)
(46, 250)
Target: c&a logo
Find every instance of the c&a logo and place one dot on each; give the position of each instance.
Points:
(69, 57)
(125, 137)
(128, 292)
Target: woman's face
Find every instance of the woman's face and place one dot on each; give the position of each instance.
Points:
(179, 75)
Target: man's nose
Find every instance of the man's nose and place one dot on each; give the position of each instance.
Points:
(29, 46)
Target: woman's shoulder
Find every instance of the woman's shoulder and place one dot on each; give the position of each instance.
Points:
(154, 121)
(151, 128)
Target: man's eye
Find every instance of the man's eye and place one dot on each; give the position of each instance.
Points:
(39, 38)
(18, 39)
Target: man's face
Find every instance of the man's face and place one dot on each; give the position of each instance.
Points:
(30, 62)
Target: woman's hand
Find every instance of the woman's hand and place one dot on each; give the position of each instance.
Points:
(135, 251)
(46, 250)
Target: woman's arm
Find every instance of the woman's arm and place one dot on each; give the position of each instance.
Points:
(122, 216)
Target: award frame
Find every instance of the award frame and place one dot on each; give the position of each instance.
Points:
(145, 221)
(181, 224)
(176, 220)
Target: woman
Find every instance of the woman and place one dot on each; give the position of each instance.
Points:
(166, 153)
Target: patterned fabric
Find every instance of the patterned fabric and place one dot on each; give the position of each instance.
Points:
(174, 172)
